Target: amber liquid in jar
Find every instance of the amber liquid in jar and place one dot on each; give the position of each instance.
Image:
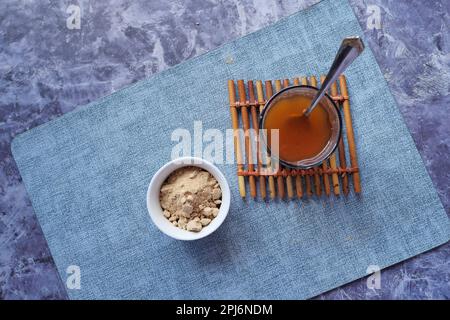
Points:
(300, 137)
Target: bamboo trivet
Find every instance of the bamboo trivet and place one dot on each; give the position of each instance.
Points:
(330, 177)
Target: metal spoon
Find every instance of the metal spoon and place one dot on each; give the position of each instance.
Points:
(351, 48)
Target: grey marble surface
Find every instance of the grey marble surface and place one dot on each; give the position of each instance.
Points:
(47, 70)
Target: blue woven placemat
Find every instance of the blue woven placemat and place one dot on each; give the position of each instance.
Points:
(87, 173)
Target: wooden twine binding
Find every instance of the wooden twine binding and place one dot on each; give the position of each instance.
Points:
(316, 173)
(298, 172)
(260, 93)
(350, 134)
(246, 124)
(249, 104)
(237, 139)
(280, 180)
(262, 179)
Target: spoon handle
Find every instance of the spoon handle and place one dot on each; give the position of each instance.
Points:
(350, 49)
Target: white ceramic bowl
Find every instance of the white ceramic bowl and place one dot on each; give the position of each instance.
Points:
(154, 207)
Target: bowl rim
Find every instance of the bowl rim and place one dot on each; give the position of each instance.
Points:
(180, 234)
(264, 138)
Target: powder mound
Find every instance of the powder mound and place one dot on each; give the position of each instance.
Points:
(190, 198)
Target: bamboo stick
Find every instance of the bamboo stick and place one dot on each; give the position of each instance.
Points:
(350, 134)
(342, 160)
(262, 179)
(307, 177)
(333, 164)
(298, 179)
(326, 179)
(237, 139)
(317, 184)
(343, 165)
(246, 125)
(289, 183)
(280, 180)
(260, 93)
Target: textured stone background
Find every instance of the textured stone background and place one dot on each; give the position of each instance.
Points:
(47, 70)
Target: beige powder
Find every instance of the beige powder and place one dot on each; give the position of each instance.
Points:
(191, 198)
